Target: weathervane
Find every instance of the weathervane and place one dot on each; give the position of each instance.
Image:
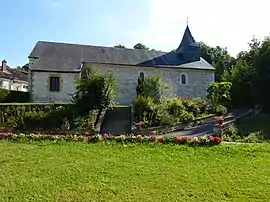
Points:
(187, 20)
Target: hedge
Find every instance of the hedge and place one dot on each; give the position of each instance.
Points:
(10, 96)
(34, 116)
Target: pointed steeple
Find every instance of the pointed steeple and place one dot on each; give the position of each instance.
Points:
(188, 48)
(187, 40)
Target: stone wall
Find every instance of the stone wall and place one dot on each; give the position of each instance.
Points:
(197, 80)
(40, 87)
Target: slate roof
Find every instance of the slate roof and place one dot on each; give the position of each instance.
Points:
(187, 40)
(14, 74)
(53, 56)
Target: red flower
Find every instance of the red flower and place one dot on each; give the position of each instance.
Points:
(161, 140)
(106, 136)
(152, 138)
(219, 120)
(215, 140)
(181, 140)
(140, 123)
(90, 138)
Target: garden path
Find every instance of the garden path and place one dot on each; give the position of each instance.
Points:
(208, 129)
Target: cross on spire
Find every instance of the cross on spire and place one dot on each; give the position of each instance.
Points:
(187, 20)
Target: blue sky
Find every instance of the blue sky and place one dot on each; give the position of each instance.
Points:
(158, 24)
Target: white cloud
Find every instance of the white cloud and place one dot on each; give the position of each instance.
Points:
(228, 23)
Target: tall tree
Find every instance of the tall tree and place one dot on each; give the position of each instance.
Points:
(218, 57)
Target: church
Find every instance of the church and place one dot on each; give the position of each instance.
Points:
(54, 66)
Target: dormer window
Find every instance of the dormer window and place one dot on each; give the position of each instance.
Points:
(183, 79)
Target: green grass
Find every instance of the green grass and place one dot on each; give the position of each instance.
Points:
(115, 172)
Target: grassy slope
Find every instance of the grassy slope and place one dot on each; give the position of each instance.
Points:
(98, 172)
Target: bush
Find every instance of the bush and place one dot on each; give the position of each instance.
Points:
(175, 106)
(95, 92)
(219, 110)
(219, 92)
(153, 87)
(7, 96)
(38, 116)
(186, 117)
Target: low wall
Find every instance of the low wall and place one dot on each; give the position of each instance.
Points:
(160, 130)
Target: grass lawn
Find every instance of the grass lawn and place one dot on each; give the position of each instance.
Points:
(114, 172)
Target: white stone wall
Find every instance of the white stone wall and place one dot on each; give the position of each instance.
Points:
(40, 89)
(198, 80)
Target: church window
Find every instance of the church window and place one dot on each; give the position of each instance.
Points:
(183, 79)
(54, 83)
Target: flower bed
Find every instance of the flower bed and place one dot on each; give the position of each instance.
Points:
(203, 140)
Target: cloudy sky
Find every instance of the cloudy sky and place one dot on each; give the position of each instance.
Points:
(159, 24)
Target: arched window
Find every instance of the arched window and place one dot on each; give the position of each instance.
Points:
(183, 79)
(141, 75)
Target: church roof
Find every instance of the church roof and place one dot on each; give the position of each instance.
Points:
(187, 40)
(52, 56)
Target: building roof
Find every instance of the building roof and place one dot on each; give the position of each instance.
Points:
(53, 56)
(14, 74)
(187, 40)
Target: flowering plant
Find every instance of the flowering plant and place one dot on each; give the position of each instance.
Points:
(219, 120)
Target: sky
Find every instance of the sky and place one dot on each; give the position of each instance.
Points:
(158, 24)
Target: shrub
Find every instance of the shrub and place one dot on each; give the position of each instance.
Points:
(175, 106)
(186, 117)
(219, 110)
(219, 92)
(10, 96)
(95, 92)
(153, 87)
(38, 116)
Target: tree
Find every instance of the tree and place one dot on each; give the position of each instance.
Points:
(218, 57)
(219, 92)
(140, 46)
(25, 67)
(153, 87)
(119, 46)
(95, 92)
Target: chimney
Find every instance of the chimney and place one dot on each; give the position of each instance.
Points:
(4, 66)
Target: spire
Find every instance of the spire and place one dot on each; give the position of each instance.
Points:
(187, 40)
(188, 49)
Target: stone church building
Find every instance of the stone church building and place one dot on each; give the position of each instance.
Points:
(53, 67)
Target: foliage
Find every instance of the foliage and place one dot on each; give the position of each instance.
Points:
(119, 46)
(141, 46)
(192, 141)
(95, 92)
(10, 96)
(254, 128)
(219, 92)
(241, 76)
(153, 87)
(41, 116)
(218, 57)
(170, 110)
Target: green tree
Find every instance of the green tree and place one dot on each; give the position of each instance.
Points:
(218, 57)
(141, 46)
(95, 92)
(219, 92)
(153, 87)
(119, 46)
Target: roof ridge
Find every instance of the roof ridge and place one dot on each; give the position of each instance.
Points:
(96, 46)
